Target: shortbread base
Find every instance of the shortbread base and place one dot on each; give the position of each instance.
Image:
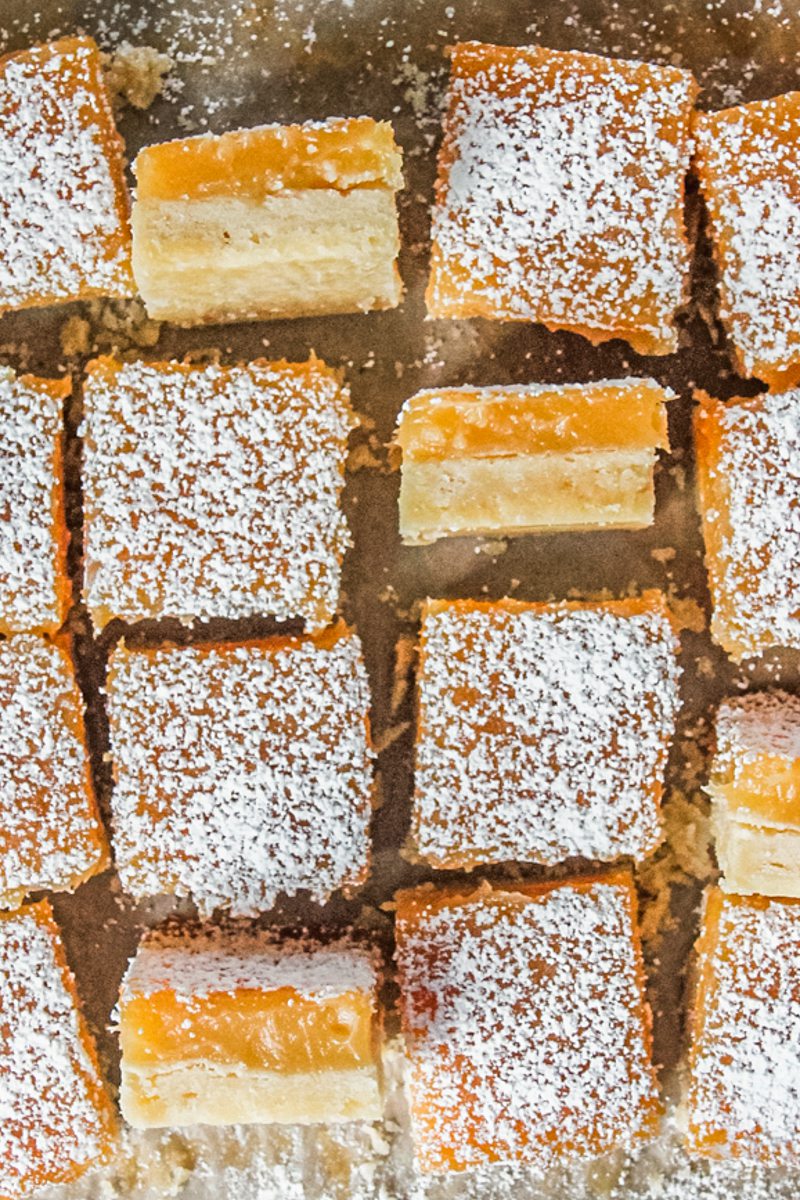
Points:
(757, 859)
(296, 253)
(206, 1093)
(525, 494)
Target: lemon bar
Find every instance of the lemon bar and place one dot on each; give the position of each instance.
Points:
(214, 491)
(543, 730)
(526, 1027)
(749, 494)
(754, 785)
(64, 232)
(242, 772)
(57, 1119)
(51, 835)
(746, 159)
(222, 1028)
(34, 587)
(276, 221)
(743, 1098)
(560, 193)
(511, 460)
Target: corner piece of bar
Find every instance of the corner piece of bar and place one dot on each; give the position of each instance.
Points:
(746, 159)
(543, 730)
(276, 221)
(526, 1027)
(242, 771)
(51, 835)
(58, 1120)
(754, 785)
(35, 590)
(214, 491)
(560, 193)
(743, 1098)
(223, 1027)
(500, 461)
(64, 232)
(749, 491)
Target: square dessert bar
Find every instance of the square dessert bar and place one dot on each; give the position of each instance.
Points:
(755, 788)
(743, 1098)
(511, 460)
(34, 587)
(221, 1028)
(57, 1119)
(543, 730)
(277, 221)
(746, 158)
(749, 491)
(241, 771)
(526, 1027)
(214, 491)
(64, 231)
(51, 835)
(560, 194)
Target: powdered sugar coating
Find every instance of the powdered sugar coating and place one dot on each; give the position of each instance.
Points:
(748, 455)
(745, 1079)
(759, 723)
(50, 831)
(560, 192)
(63, 224)
(213, 491)
(525, 1026)
(55, 1120)
(32, 573)
(242, 772)
(213, 962)
(746, 160)
(543, 731)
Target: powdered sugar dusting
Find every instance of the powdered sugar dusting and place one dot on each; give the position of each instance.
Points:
(214, 962)
(31, 573)
(747, 164)
(543, 731)
(560, 193)
(213, 491)
(50, 833)
(63, 234)
(752, 519)
(758, 724)
(746, 1071)
(242, 772)
(53, 1126)
(524, 1026)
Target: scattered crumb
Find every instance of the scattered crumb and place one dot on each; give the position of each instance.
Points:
(405, 653)
(74, 336)
(136, 75)
(493, 548)
(390, 736)
(663, 554)
(686, 611)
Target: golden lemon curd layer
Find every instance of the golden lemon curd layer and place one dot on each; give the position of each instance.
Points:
(253, 163)
(498, 421)
(280, 1031)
